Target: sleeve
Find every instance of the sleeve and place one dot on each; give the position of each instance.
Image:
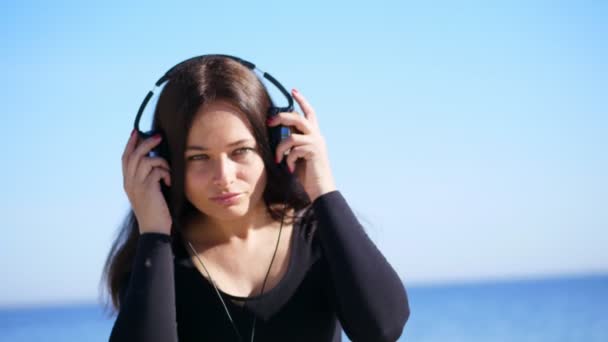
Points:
(370, 298)
(147, 304)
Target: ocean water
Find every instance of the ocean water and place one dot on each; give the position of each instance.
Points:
(556, 309)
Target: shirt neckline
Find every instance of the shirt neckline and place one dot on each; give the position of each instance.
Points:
(282, 282)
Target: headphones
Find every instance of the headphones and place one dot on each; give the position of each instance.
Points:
(276, 134)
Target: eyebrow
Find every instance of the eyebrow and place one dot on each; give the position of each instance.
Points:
(202, 148)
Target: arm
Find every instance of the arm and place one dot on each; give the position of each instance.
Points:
(371, 300)
(147, 305)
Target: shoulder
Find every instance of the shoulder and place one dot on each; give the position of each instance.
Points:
(307, 219)
(305, 224)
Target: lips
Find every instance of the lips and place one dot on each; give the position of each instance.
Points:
(225, 196)
(227, 199)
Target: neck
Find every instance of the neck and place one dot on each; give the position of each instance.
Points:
(209, 230)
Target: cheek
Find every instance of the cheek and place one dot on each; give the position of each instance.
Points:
(257, 178)
(196, 181)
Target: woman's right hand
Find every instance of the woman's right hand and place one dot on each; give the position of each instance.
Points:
(141, 181)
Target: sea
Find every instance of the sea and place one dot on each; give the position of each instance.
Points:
(550, 309)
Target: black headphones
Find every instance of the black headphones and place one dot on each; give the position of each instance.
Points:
(276, 134)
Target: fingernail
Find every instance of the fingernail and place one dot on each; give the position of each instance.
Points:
(295, 91)
(156, 136)
(133, 132)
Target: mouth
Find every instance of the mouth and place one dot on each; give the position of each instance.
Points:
(227, 199)
(225, 196)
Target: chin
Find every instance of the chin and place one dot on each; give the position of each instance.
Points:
(226, 214)
(222, 212)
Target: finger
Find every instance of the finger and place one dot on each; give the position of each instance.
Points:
(142, 150)
(292, 119)
(147, 164)
(156, 175)
(300, 152)
(290, 142)
(309, 112)
(129, 147)
(144, 169)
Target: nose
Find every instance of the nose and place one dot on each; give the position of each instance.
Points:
(224, 172)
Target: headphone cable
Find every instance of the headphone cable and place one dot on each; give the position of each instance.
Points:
(263, 284)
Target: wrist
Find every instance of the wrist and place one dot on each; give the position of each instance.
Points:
(322, 191)
(155, 229)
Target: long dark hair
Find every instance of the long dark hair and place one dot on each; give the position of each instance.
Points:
(194, 84)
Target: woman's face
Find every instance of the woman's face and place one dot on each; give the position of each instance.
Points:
(222, 157)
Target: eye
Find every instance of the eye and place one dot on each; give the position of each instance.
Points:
(198, 157)
(243, 150)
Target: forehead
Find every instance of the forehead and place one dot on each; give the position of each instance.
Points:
(219, 122)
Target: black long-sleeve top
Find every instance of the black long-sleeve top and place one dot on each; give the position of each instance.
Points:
(336, 279)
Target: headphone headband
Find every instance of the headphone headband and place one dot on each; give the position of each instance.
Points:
(169, 74)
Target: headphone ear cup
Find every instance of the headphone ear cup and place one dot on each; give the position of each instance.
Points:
(162, 150)
(277, 134)
(274, 133)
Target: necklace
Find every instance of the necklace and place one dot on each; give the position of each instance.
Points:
(261, 291)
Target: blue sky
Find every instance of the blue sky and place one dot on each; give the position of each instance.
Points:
(470, 138)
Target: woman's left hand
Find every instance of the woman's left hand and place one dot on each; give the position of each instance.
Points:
(307, 152)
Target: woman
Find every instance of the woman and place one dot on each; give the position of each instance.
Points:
(222, 245)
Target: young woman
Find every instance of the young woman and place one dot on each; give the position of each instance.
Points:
(222, 244)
